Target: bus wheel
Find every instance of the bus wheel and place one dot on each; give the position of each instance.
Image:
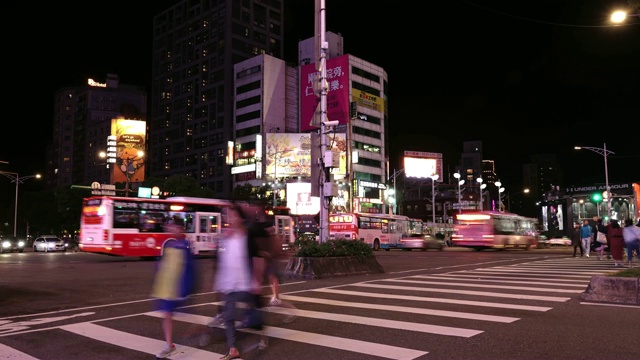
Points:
(376, 245)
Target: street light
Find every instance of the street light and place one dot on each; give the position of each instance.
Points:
(14, 177)
(482, 186)
(604, 152)
(395, 197)
(460, 183)
(433, 178)
(500, 190)
(620, 16)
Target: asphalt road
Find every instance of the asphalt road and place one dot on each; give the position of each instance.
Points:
(453, 304)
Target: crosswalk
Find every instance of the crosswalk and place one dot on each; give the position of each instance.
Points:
(362, 320)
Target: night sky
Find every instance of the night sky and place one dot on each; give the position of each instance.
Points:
(522, 77)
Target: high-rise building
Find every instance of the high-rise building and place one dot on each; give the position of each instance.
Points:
(195, 47)
(81, 123)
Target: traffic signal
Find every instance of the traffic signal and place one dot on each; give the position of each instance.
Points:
(596, 197)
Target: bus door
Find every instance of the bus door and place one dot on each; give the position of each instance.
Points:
(208, 227)
(284, 228)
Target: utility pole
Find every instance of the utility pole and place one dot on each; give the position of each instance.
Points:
(324, 47)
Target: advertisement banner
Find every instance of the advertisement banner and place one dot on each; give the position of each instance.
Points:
(337, 96)
(423, 166)
(367, 100)
(130, 145)
(338, 144)
(288, 155)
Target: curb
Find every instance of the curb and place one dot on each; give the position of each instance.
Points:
(613, 289)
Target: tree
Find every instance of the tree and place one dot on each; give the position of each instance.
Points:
(182, 185)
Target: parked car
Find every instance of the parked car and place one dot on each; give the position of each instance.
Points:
(11, 244)
(48, 243)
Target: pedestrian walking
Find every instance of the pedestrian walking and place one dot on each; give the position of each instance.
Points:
(586, 233)
(614, 236)
(631, 236)
(576, 241)
(236, 276)
(174, 280)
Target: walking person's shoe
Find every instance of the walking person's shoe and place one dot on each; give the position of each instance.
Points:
(275, 301)
(217, 321)
(166, 352)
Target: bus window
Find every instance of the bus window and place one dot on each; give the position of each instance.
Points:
(125, 218)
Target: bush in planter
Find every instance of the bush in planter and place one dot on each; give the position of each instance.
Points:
(332, 248)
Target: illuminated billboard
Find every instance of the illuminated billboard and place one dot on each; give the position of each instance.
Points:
(130, 145)
(337, 96)
(367, 100)
(422, 164)
(300, 201)
(288, 155)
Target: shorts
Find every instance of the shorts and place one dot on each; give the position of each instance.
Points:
(271, 269)
(167, 305)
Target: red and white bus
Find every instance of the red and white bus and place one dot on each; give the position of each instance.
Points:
(494, 230)
(380, 231)
(129, 226)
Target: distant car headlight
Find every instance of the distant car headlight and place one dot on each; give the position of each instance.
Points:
(21, 243)
(6, 244)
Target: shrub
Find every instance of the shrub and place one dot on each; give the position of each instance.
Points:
(627, 273)
(332, 248)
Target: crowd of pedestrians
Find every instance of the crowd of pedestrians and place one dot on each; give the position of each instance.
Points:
(618, 240)
(246, 263)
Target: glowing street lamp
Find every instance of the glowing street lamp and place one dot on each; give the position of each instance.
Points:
(604, 152)
(433, 178)
(460, 183)
(14, 177)
(482, 187)
(620, 16)
(500, 190)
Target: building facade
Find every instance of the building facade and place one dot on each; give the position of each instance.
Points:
(195, 47)
(81, 123)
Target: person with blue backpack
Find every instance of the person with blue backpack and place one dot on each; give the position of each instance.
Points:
(586, 233)
(174, 279)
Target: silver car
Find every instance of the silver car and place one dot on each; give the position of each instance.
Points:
(48, 243)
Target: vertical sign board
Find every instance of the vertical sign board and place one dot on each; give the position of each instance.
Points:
(337, 96)
(130, 146)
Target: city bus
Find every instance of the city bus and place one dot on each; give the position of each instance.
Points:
(380, 231)
(494, 230)
(130, 226)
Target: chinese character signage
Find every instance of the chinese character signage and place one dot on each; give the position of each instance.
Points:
(337, 96)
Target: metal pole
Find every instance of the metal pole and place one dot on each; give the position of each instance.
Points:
(15, 211)
(323, 118)
(275, 176)
(433, 202)
(606, 180)
(459, 198)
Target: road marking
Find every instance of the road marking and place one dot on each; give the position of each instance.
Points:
(363, 347)
(412, 310)
(572, 281)
(534, 270)
(449, 277)
(517, 274)
(466, 292)
(9, 353)
(136, 342)
(525, 288)
(431, 299)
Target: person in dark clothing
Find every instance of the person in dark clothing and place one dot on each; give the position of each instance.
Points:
(576, 241)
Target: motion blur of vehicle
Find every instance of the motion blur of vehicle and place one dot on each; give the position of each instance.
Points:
(11, 245)
(494, 230)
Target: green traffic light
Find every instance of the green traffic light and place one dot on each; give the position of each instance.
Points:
(596, 197)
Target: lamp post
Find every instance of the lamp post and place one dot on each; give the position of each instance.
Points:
(500, 190)
(460, 183)
(604, 152)
(395, 196)
(433, 178)
(14, 177)
(482, 186)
